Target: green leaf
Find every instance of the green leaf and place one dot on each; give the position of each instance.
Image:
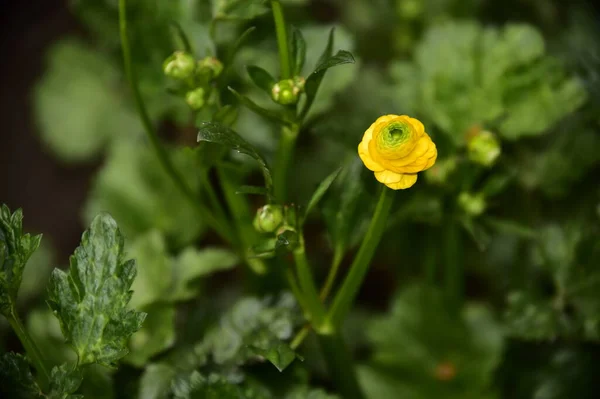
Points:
(15, 250)
(85, 86)
(134, 188)
(90, 300)
(261, 78)
(16, 380)
(64, 382)
(422, 349)
(280, 355)
(237, 45)
(216, 133)
(156, 335)
(320, 192)
(226, 115)
(297, 50)
(254, 107)
(183, 38)
(155, 383)
(256, 190)
(307, 393)
(196, 386)
(342, 57)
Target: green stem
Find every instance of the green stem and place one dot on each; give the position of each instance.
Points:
(338, 256)
(160, 151)
(33, 352)
(340, 365)
(282, 42)
(307, 285)
(347, 293)
(284, 156)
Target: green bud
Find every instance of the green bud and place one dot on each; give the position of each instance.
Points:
(287, 91)
(484, 148)
(268, 218)
(287, 239)
(472, 204)
(180, 65)
(195, 98)
(210, 66)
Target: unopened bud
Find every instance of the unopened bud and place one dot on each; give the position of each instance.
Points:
(180, 65)
(472, 204)
(288, 91)
(195, 98)
(210, 66)
(484, 148)
(268, 218)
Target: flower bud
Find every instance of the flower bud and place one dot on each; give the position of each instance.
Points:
(268, 218)
(287, 91)
(484, 148)
(472, 204)
(287, 239)
(195, 98)
(210, 66)
(180, 65)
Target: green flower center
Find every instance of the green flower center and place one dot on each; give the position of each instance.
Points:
(395, 134)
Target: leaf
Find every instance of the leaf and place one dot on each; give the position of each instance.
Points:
(280, 355)
(155, 383)
(320, 192)
(156, 335)
(90, 300)
(342, 57)
(216, 133)
(261, 78)
(256, 190)
(297, 50)
(226, 115)
(64, 382)
(239, 9)
(254, 107)
(15, 250)
(78, 106)
(237, 45)
(180, 33)
(196, 386)
(422, 349)
(134, 188)
(16, 380)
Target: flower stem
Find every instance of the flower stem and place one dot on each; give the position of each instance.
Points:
(307, 285)
(347, 293)
(160, 151)
(287, 142)
(340, 366)
(33, 352)
(338, 255)
(282, 42)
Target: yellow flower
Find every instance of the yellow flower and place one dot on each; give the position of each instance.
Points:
(396, 148)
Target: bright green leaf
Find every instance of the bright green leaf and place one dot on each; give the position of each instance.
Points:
(90, 300)
(15, 250)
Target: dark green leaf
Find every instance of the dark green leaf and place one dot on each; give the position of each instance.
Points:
(261, 78)
(16, 380)
(15, 250)
(298, 51)
(320, 192)
(226, 115)
(215, 133)
(314, 80)
(237, 45)
(280, 355)
(256, 190)
(91, 299)
(251, 105)
(342, 57)
(65, 380)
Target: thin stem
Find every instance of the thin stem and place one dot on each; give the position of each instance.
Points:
(307, 285)
(338, 256)
(284, 156)
(301, 336)
(160, 151)
(31, 348)
(347, 293)
(340, 365)
(282, 41)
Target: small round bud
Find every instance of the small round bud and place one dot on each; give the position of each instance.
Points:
(268, 218)
(210, 66)
(180, 65)
(287, 91)
(472, 204)
(195, 98)
(484, 148)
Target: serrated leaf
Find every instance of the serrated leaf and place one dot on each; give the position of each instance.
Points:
(90, 300)
(16, 380)
(215, 133)
(320, 192)
(64, 382)
(261, 78)
(15, 250)
(254, 107)
(297, 50)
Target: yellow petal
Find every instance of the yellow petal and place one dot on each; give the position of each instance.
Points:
(396, 181)
(363, 151)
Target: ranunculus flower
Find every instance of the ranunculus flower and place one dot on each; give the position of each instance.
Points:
(396, 148)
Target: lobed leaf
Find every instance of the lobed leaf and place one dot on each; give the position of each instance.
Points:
(16, 380)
